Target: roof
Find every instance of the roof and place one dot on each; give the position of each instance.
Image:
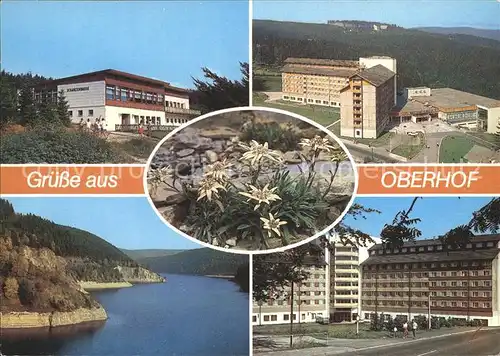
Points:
(323, 62)
(376, 75)
(344, 73)
(113, 72)
(410, 107)
(435, 242)
(433, 257)
(452, 98)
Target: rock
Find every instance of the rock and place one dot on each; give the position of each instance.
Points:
(231, 242)
(291, 157)
(211, 156)
(185, 152)
(215, 242)
(175, 198)
(333, 213)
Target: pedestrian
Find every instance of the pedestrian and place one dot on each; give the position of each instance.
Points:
(414, 327)
(141, 129)
(395, 331)
(81, 124)
(88, 124)
(405, 330)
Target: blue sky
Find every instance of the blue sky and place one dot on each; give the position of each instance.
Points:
(445, 13)
(167, 40)
(438, 214)
(125, 222)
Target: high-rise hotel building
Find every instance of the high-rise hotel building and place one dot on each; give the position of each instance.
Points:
(426, 277)
(122, 99)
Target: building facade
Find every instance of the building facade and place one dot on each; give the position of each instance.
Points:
(307, 301)
(121, 99)
(427, 278)
(316, 81)
(367, 102)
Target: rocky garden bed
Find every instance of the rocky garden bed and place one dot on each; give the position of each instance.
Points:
(264, 186)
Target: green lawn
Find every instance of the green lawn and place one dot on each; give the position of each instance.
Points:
(408, 150)
(454, 148)
(342, 331)
(491, 141)
(271, 82)
(323, 116)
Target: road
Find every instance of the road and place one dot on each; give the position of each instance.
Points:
(481, 343)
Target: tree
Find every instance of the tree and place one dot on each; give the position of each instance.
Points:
(216, 92)
(63, 109)
(11, 288)
(47, 112)
(8, 104)
(242, 277)
(27, 109)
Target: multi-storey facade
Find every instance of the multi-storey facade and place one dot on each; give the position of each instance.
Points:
(122, 99)
(316, 81)
(427, 278)
(367, 102)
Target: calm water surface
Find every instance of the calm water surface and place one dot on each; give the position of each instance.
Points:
(187, 315)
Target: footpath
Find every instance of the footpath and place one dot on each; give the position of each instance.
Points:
(274, 344)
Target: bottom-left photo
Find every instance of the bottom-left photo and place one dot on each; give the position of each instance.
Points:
(105, 276)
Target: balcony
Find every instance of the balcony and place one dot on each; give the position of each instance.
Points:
(183, 111)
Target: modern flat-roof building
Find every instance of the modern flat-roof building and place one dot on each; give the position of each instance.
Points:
(426, 277)
(121, 98)
(366, 102)
(310, 298)
(316, 81)
(345, 279)
(454, 107)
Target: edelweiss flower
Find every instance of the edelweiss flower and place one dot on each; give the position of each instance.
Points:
(218, 170)
(317, 144)
(272, 225)
(209, 187)
(338, 156)
(255, 152)
(264, 195)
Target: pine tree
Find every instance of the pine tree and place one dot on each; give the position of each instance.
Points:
(8, 104)
(27, 109)
(47, 112)
(63, 109)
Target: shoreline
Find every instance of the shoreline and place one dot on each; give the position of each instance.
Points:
(95, 286)
(220, 276)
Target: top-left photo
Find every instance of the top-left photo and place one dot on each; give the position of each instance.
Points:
(104, 82)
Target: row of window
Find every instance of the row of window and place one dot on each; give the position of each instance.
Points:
(312, 101)
(90, 113)
(346, 301)
(474, 273)
(286, 317)
(397, 266)
(418, 304)
(429, 248)
(480, 283)
(138, 96)
(296, 302)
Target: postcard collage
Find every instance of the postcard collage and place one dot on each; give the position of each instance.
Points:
(250, 177)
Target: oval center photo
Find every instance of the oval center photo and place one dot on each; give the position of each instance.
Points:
(251, 180)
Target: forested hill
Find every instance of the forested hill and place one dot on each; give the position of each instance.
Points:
(201, 261)
(36, 232)
(462, 62)
(478, 32)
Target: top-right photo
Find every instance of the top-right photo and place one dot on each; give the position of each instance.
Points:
(396, 81)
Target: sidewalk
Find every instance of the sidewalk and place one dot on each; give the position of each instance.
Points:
(339, 346)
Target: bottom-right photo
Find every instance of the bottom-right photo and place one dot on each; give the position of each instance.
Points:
(398, 276)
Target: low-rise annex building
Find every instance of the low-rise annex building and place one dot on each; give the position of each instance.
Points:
(122, 99)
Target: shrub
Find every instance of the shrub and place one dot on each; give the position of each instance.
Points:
(138, 147)
(279, 137)
(13, 129)
(11, 288)
(277, 205)
(55, 146)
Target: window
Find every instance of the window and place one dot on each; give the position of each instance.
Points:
(91, 112)
(266, 317)
(254, 318)
(70, 113)
(274, 318)
(124, 94)
(110, 93)
(286, 317)
(80, 112)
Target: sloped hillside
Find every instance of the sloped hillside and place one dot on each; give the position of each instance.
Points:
(462, 62)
